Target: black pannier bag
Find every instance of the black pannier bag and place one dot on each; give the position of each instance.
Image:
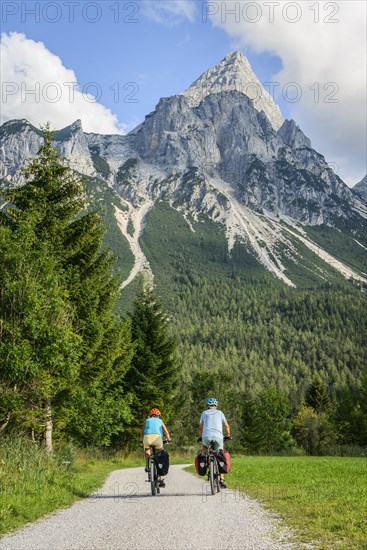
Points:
(162, 462)
(201, 464)
(222, 462)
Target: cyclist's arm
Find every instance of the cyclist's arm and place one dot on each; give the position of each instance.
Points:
(142, 432)
(165, 431)
(227, 428)
(200, 430)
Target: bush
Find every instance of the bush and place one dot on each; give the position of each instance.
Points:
(313, 430)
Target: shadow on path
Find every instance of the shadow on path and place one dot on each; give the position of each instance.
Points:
(147, 495)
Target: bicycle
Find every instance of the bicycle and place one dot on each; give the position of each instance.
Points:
(153, 477)
(213, 470)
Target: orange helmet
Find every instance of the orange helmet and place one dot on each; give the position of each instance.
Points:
(155, 412)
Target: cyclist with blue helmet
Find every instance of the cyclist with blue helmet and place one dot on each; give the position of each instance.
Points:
(211, 425)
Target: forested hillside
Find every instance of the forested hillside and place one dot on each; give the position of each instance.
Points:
(230, 314)
(241, 331)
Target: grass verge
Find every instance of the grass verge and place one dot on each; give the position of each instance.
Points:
(33, 484)
(324, 499)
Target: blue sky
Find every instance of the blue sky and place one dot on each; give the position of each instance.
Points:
(159, 58)
(138, 51)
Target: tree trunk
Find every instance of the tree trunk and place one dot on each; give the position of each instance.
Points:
(5, 423)
(47, 434)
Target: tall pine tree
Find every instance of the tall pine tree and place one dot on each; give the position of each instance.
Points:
(317, 396)
(39, 346)
(55, 199)
(154, 371)
(251, 434)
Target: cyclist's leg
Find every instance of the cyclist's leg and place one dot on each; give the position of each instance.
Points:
(205, 441)
(148, 442)
(157, 442)
(146, 446)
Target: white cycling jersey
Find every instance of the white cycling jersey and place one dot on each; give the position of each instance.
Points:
(212, 421)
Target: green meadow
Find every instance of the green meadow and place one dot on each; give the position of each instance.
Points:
(323, 498)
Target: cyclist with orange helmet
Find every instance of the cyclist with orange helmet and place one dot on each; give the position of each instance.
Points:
(152, 434)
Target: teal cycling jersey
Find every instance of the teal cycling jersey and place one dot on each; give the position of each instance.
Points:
(153, 425)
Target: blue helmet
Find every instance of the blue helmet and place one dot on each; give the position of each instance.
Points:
(211, 402)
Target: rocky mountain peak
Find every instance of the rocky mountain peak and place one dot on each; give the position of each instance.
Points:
(234, 73)
(70, 132)
(76, 126)
(214, 151)
(293, 136)
(237, 60)
(361, 188)
(17, 125)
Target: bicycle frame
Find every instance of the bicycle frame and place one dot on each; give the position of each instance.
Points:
(153, 472)
(213, 474)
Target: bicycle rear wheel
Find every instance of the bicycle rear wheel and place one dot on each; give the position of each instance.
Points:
(211, 476)
(153, 477)
(217, 476)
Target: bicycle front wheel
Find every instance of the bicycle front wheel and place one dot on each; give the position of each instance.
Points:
(153, 477)
(211, 476)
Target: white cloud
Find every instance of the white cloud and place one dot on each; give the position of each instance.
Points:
(331, 50)
(36, 86)
(169, 12)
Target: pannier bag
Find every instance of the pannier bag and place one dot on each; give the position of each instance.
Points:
(228, 461)
(162, 462)
(201, 464)
(224, 462)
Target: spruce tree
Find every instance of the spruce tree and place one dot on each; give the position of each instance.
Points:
(52, 194)
(351, 415)
(54, 197)
(362, 411)
(274, 417)
(39, 346)
(252, 436)
(154, 371)
(317, 396)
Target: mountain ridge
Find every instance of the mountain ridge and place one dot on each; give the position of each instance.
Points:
(221, 157)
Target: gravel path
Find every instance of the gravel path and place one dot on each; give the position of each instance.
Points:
(185, 516)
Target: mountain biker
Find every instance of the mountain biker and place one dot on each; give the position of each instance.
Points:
(152, 436)
(211, 429)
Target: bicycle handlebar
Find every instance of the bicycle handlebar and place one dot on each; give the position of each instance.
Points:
(225, 438)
